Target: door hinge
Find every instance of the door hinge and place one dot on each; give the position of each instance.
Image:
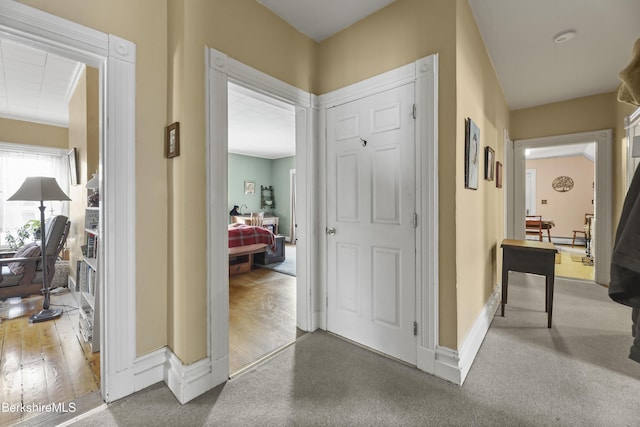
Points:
(415, 220)
(414, 111)
(415, 329)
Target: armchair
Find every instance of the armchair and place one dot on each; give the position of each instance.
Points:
(22, 275)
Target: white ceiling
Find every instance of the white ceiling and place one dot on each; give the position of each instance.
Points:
(533, 69)
(259, 125)
(35, 85)
(319, 19)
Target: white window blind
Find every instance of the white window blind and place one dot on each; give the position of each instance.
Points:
(17, 162)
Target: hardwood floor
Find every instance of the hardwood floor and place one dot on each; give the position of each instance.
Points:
(43, 363)
(262, 315)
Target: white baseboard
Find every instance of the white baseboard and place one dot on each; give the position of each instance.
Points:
(71, 284)
(190, 381)
(186, 382)
(149, 369)
(454, 366)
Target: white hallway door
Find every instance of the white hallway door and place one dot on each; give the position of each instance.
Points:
(370, 222)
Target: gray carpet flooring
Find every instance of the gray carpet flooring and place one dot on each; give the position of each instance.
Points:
(575, 374)
(288, 266)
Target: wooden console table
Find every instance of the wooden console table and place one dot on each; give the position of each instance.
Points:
(528, 256)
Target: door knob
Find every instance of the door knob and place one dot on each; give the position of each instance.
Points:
(331, 231)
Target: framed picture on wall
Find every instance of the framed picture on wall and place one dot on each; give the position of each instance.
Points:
(498, 175)
(249, 187)
(172, 142)
(73, 166)
(471, 156)
(489, 162)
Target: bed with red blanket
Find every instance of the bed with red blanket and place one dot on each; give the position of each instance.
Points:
(244, 242)
(246, 238)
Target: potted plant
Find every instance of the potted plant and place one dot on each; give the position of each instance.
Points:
(29, 231)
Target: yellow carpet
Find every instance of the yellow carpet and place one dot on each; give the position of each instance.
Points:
(567, 267)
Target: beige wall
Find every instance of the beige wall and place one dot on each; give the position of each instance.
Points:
(567, 209)
(479, 217)
(84, 135)
(248, 32)
(143, 22)
(20, 132)
(586, 114)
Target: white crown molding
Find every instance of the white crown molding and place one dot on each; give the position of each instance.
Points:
(36, 149)
(29, 119)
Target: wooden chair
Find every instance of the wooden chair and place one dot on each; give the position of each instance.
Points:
(586, 230)
(533, 226)
(257, 219)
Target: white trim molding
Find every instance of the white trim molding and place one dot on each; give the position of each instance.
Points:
(454, 366)
(604, 190)
(115, 58)
(220, 69)
(424, 73)
(185, 381)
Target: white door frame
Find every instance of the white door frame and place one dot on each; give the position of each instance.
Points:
(115, 58)
(604, 190)
(532, 191)
(424, 72)
(220, 69)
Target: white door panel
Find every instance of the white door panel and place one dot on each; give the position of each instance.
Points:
(371, 204)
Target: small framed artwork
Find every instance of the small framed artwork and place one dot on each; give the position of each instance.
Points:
(73, 166)
(471, 161)
(172, 143)
(498, 175)
(249, 187)
(489, 163)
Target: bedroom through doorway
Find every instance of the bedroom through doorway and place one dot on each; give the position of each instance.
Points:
(261, 201)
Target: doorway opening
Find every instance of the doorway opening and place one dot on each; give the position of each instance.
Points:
(56, 361)
(261, 199)
(115, 176)
(567, 166)
(561, 197)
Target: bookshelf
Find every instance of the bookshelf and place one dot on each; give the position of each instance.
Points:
(88, 283)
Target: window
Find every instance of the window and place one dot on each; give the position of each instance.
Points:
(18, 161)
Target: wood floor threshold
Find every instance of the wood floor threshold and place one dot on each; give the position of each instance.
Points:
(266, 357)
(85, 406)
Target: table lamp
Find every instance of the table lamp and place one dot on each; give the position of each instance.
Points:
(40, 188)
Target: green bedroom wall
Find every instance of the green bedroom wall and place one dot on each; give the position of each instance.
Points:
(247, 168)
(263, 172)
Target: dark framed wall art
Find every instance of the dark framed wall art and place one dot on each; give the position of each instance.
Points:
(489, 162)
(73, 166)
(471, 156)
(172, 140)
